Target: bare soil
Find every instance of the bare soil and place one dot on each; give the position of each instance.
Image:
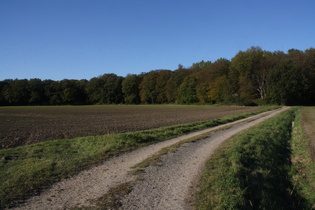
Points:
(167, 186)
(27, 125)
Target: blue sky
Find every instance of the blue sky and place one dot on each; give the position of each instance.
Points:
(81, 39)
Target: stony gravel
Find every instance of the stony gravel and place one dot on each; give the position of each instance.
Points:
(167, 186)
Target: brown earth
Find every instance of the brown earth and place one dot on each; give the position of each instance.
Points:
(28, 125)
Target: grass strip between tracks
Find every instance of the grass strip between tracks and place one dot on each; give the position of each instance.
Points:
(27, 170)
(253, 170)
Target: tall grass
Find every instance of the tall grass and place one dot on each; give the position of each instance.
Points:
(303, 167)
(27, 170)
(252, 170)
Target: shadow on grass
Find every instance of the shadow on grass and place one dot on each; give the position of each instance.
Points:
(252, 170)
(265, 172)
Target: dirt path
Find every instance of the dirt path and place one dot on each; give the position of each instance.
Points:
(167, 186)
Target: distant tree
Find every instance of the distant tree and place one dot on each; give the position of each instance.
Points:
(199, 66)
(220, 67)
(173, 84)
(288, 84)
(217, 83)
(94, 90)
(53, 91)
(310, 71)
(17, 92)
(112, 89)
(148, 94)
(180, 66)
(249, 68)
(187, 91)
(37, 92)
(297, 56)
(105, 89)
(81, 88)
(4, 85)
(73, 92)
(208, 76)
(160, 87)
(203, 79)
(130, 88)
(70, 95)
(153, 87)
(218, 92)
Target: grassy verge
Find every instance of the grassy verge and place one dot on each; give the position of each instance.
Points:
(252, 170)
(303, 167)
(26, 170)
(308, 123)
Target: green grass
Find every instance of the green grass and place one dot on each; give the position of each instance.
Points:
(27, 170)
(303, 167)
(308, 123)
(253, 170)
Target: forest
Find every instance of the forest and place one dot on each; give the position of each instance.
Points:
(251, 77)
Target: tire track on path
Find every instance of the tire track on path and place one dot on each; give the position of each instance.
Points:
(163, 187)
(171, 184)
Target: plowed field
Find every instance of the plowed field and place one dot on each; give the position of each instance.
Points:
(28, 125)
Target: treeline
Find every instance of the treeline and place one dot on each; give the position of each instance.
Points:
(251, 77)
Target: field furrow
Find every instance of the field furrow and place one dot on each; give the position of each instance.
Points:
(28, 125)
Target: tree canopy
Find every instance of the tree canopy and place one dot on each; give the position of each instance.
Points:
(251, 77)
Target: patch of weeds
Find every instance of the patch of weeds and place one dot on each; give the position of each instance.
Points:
(112, 199)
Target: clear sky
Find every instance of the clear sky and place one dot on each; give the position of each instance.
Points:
(81, 39)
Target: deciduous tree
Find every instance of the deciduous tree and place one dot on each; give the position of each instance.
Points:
(288, 84)
(17, 92)
(162, 77)
(130, 88)
(148, 94)
(173, 84)
(187, 90)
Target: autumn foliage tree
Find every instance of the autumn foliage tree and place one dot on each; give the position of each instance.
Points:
(251, 77)
(173, 84)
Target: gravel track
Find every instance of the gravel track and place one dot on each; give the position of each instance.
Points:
(167, 186)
